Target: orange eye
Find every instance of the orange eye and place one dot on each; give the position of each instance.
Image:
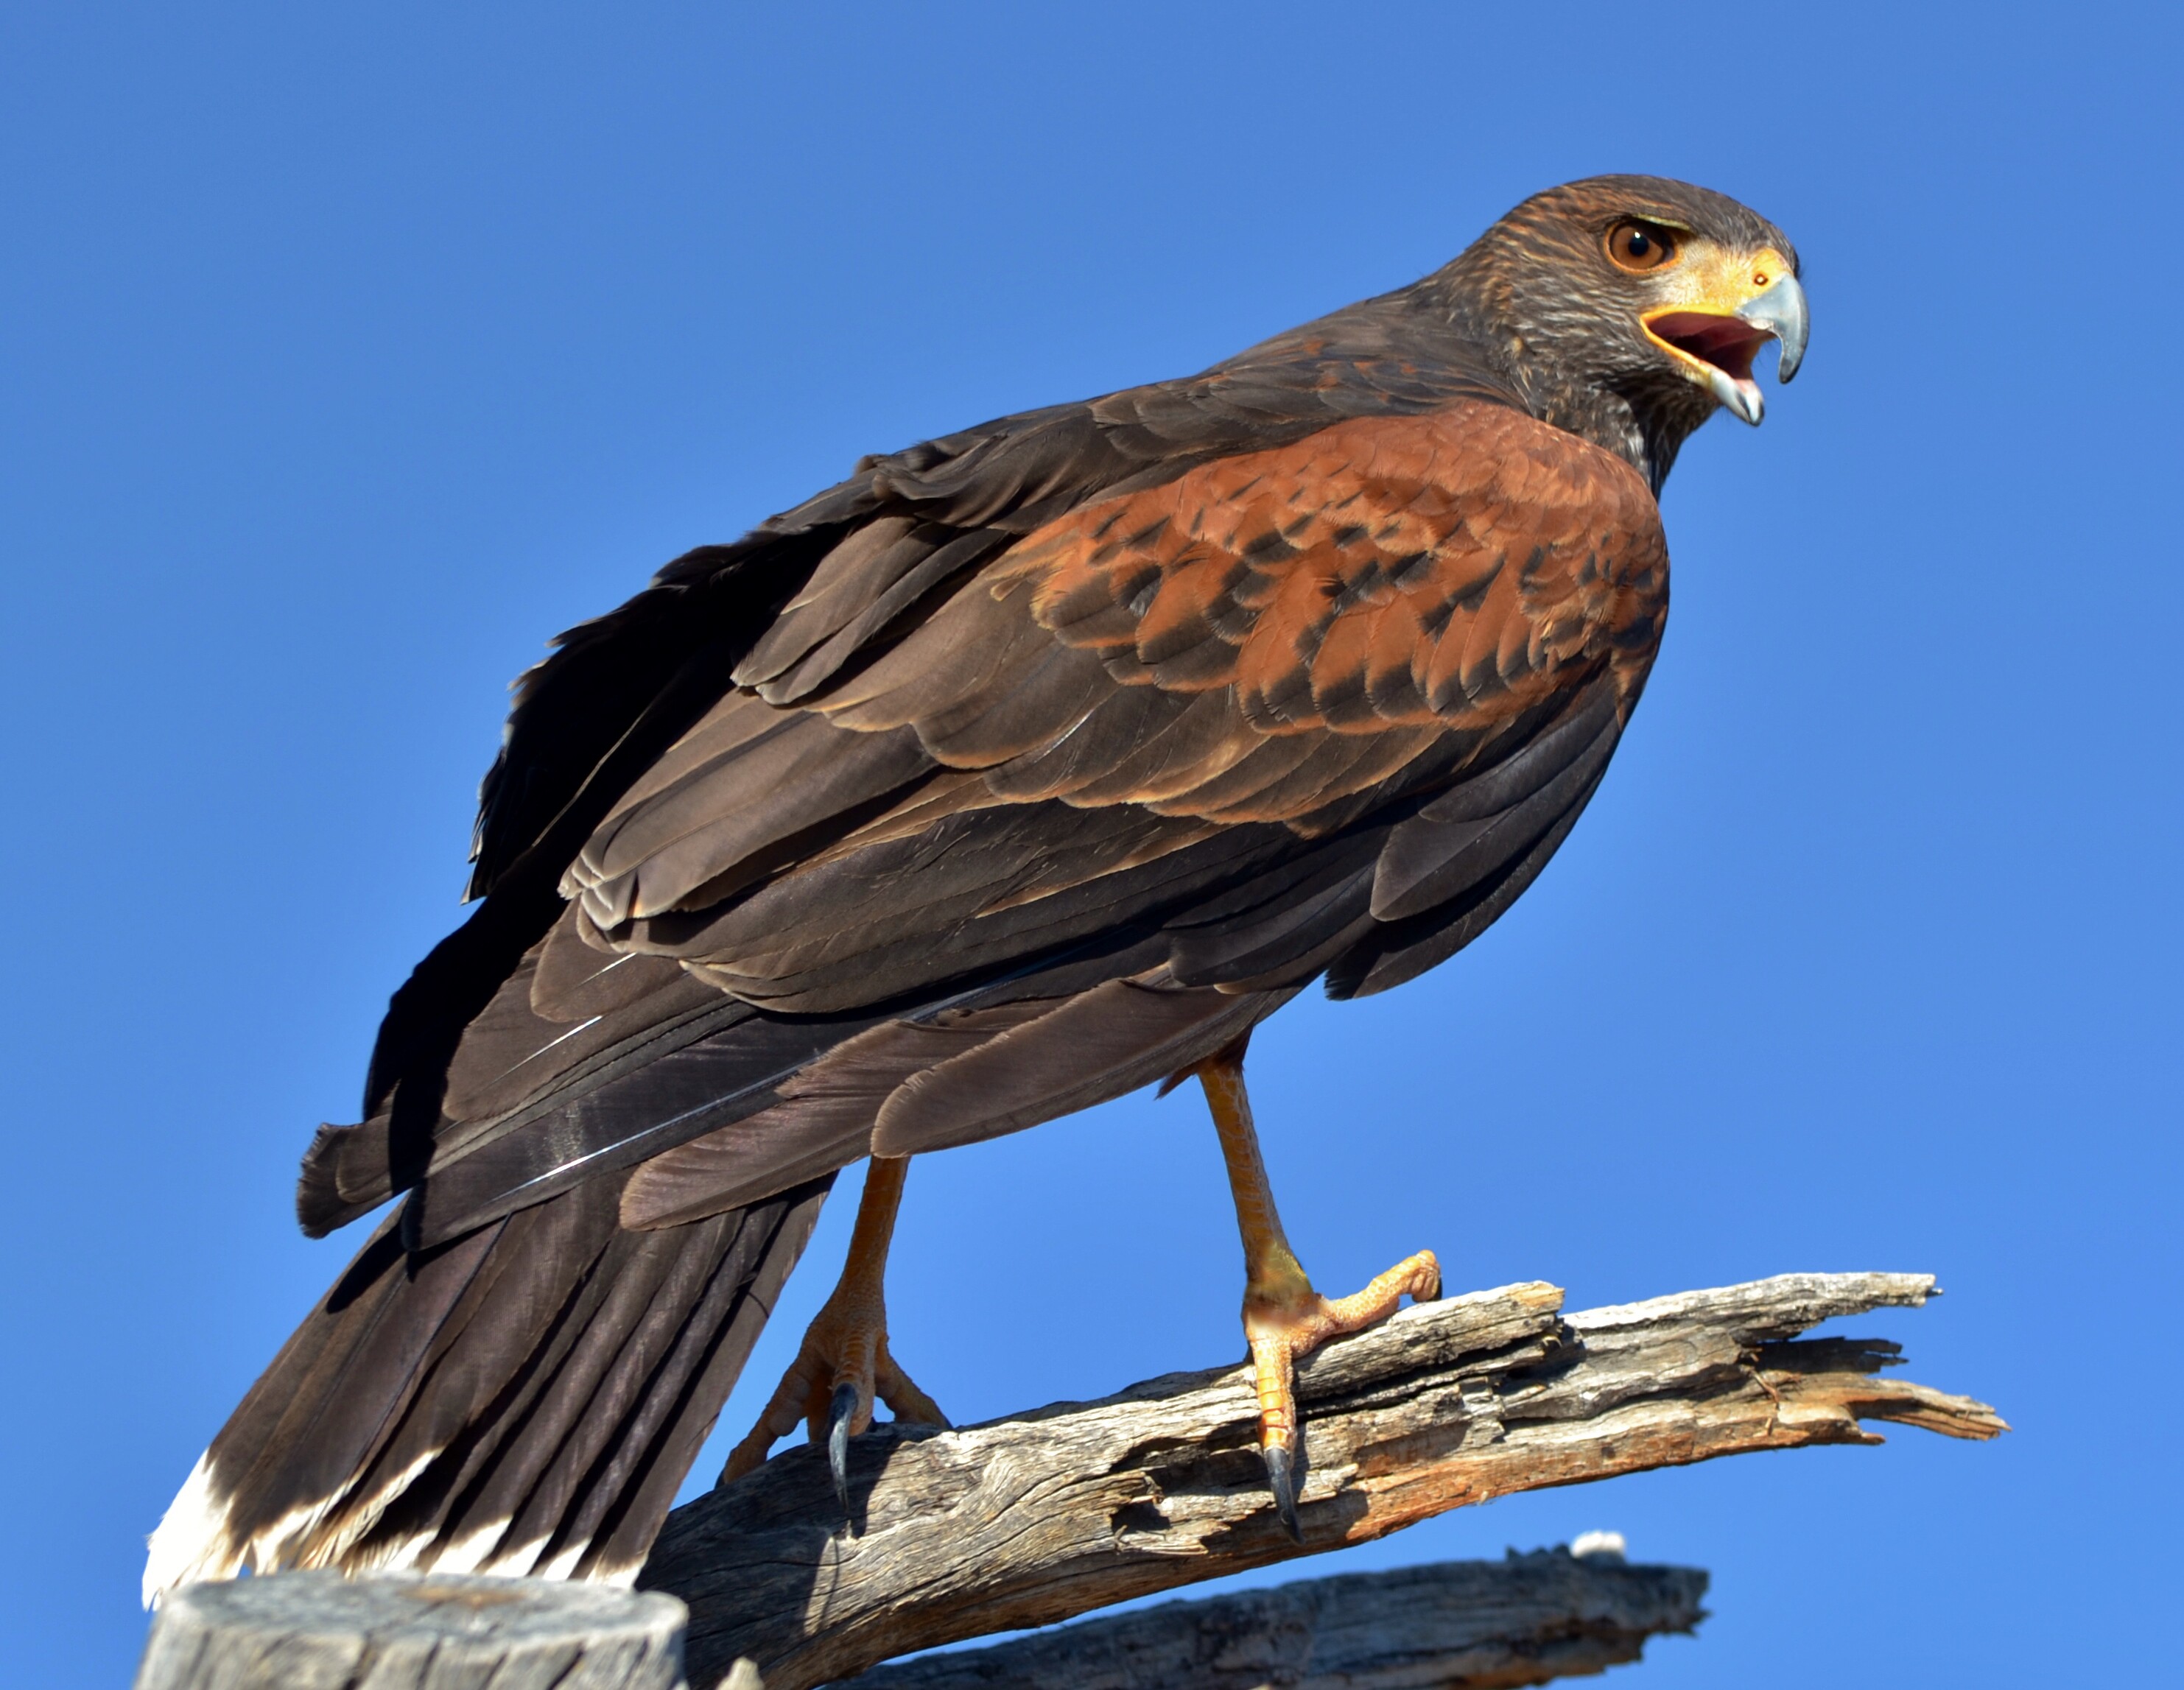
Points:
(1641, 246)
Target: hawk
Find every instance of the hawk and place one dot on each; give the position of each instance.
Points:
(1026, 767)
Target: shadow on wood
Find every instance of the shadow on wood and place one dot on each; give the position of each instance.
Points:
(1025, 1521)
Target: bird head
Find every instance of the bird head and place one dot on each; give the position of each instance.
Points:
(1636, 296)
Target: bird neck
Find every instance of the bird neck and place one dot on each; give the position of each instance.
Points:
(1641, 416)
(1645, 430)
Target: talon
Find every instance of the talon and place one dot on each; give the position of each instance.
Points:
(840, 1414)
(1281, 1479)
(846, 1345)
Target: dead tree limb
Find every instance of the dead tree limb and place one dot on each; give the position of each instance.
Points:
(1035, 1519)
(1527, 1619)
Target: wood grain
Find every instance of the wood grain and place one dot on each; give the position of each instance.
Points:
(1042, 1516)
(318, 1630)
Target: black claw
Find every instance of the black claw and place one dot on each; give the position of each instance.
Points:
(839, 1413)
(1281, 1479)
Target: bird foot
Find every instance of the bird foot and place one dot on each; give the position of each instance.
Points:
(841, 1367)
(1285, 1321)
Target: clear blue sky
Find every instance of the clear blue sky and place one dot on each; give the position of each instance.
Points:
(344, 358)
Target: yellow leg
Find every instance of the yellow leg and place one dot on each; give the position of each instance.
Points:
(1285, 1318)
(843, 1361)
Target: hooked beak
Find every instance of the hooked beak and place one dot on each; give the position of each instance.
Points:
(1780, 312)
(1715, 338)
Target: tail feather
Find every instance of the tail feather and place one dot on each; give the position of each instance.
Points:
(526, 1398)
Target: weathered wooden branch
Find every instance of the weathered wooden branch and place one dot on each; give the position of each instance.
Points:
(317, 1630)
(1523, 1621)
(1028, 1521)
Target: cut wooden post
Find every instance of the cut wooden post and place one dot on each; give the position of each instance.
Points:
(317, 1630)
(1523, 1621)
(1039, 1518)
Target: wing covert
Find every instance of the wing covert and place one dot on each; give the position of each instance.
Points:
(1161, 693)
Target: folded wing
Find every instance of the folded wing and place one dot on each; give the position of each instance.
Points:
(1025, 816)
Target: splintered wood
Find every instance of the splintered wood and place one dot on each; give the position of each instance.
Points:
(1032, 1519)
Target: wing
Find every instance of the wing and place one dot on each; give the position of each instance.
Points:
(1021, 764)
(1393, 356)
(1266, 667)
(620, 690)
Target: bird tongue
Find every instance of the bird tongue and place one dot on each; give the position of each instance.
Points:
(1728, 343)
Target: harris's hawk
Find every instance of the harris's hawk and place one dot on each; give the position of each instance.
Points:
(1026, 767)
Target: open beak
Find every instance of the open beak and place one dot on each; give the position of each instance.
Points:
(1716, 338)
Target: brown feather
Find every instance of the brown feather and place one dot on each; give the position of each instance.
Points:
(1098, 1045)
(824, 1119)
(847, 579)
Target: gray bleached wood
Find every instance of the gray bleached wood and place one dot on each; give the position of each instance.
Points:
(1523, 1621)
(1038, 1518)
(317, 1630)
